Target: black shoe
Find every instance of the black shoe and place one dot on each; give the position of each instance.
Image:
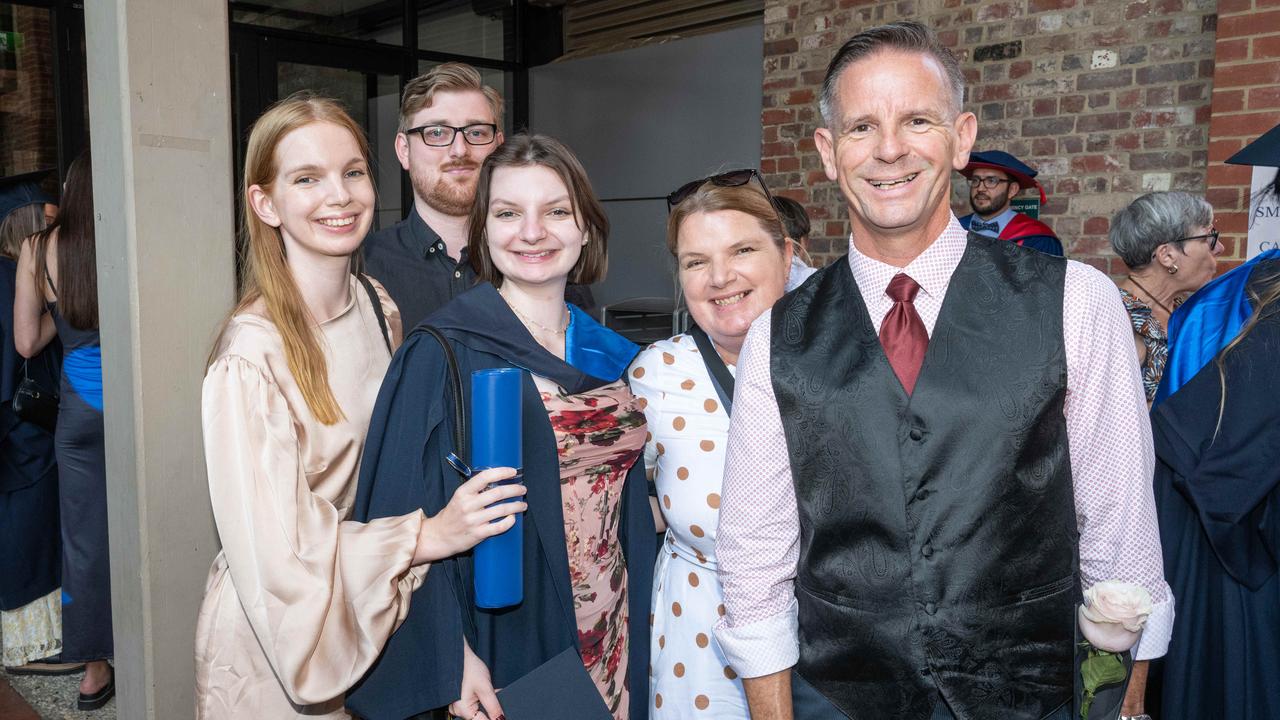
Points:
(100, 698)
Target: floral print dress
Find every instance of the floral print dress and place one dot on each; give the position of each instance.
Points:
(1153, 338)
(600, 434)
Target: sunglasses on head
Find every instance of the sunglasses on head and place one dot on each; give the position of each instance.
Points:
(733, 178)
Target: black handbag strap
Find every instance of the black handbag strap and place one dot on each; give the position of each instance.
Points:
(721, 378)
(460, 424)
(377, 309)
(455, 458)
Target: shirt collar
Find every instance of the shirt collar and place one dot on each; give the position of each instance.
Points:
(429, 241)
(931, 269)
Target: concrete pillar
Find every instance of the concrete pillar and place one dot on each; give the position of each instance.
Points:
(160, 118)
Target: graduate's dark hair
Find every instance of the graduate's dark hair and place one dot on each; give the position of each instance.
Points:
(76, 249)
(526, 150)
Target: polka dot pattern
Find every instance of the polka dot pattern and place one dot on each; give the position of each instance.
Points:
(689, 435)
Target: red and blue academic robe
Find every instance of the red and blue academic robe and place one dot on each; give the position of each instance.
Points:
(404, 468)
(1027, 232)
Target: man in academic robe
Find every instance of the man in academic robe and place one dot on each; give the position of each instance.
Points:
(937, 441)
(995, 178)
(404, 468)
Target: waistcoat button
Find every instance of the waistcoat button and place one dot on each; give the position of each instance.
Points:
(922, 494)
(916, 434)
(930, 608)
(927, 551)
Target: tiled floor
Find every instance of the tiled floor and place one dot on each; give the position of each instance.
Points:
(46, 698)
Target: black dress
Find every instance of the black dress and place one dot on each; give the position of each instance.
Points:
(80, 449)
(1218, 497)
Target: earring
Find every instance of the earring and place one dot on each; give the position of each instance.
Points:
(1173, 269)
(584, 242)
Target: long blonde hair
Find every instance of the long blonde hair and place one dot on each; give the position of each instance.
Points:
(266, 271)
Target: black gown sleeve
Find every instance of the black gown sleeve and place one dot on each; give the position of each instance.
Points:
(402, 470)
(1230, 472)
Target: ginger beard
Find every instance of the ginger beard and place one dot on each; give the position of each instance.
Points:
(447, 195)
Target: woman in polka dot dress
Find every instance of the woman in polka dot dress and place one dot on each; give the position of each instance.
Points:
(733, 259)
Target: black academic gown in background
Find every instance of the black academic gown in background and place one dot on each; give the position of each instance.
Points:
(1218, 500)
(404, 468)
(30, 536)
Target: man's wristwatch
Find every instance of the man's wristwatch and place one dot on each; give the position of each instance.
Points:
(1143, 716)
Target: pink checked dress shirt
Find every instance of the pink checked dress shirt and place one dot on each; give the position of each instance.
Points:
(1112, 462)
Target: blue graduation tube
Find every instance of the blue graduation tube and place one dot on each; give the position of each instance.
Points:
(496, 441)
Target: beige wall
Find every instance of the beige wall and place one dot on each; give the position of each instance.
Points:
(161, 140)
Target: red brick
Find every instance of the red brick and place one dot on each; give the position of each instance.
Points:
(1263, 73)
(1241, 125)
(782, 83)
(1128, 141)
(1041, 107)
(777, 149)
(1232, 222)
(1135, 10)
(777, 117)
(786, 46)
(1266, 47)
(1105, 121)
(1227, 7)
(1231, 50)
(1220, 150)
(1223, 175)
(1224, 198)
(1097, 226)
(1036, 6)
(800, 97)
(1019, 69)
(1044, 146)
(768, 165)
(1264, 97)
(1254, 23)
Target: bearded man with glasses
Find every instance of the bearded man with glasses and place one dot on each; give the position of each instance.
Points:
(995, 179)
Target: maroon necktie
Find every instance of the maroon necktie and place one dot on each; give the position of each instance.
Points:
(902, 333)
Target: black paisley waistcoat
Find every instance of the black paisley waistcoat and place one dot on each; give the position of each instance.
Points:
(938, 543)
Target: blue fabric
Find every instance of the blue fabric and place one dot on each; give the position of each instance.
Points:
(1205, 323)
(595, 349)
(82, 367)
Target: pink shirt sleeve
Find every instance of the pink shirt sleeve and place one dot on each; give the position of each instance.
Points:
(759, 535)
(1112, 457)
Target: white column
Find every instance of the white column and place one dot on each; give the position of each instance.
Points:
(160, 119)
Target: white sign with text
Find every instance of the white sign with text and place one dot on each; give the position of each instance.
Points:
(1264, 212)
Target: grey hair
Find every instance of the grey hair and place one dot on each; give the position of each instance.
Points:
(906, 36)
(1153, 220)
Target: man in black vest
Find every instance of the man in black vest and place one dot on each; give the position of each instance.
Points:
(937, 441)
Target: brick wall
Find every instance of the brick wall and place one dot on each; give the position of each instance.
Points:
(1108, 99)
(1246, 103)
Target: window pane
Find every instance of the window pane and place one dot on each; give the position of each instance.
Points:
(28, 110)
(375, 20)
(499, 80)
(479, 28)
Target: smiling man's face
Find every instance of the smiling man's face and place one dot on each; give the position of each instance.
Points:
(896, 139)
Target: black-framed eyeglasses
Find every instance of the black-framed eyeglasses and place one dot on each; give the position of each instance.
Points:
(733, 178)
(443, 135)
(990, 182)
(1211, 236)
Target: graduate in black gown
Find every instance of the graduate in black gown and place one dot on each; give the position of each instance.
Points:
(404, 467)
(1217, 488)
(30, 545)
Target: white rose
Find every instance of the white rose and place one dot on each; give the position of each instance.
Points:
(1124, 603)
